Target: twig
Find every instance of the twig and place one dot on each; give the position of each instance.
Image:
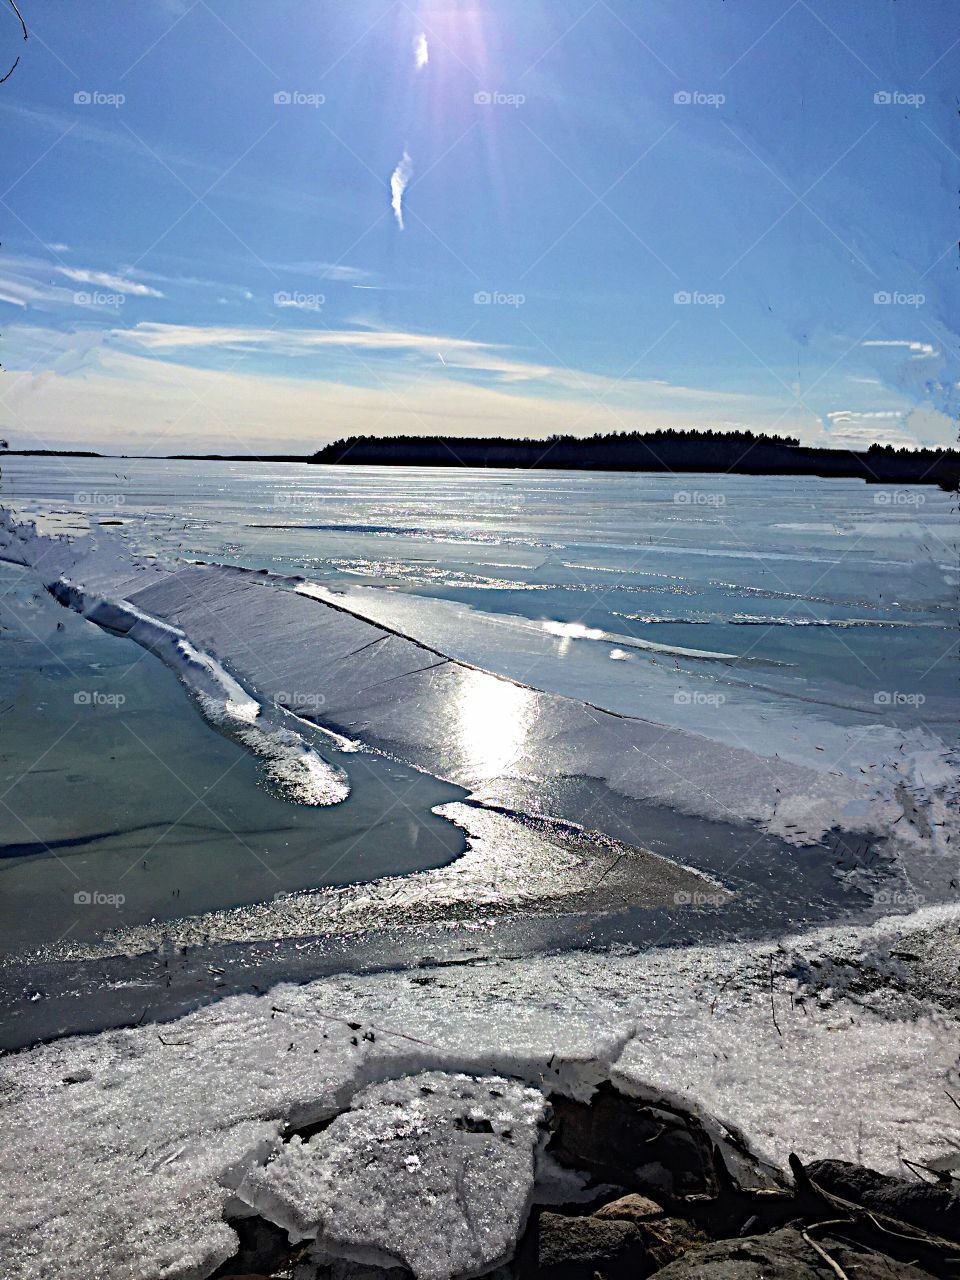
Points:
(940, 1175)
(773, 1009)
(616, 862)
(720, 990)
(899, 1235)
(835, 1267)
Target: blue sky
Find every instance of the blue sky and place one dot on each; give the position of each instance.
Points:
(248, 227)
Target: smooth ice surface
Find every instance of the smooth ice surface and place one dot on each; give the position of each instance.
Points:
(747, 734)
(484, 732)
(172, 1118)
(772, 653)
(433, 1171)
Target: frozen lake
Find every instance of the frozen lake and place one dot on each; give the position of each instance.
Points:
(725, 703)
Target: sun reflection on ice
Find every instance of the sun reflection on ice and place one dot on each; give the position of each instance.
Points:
(567, 631)
(493, 720)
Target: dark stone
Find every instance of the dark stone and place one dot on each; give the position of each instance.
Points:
(624, 1248)
(342, 1269)
(581, 1248)
(785, 1255)
(665, 1239)
(935, 1209)
(78, 1077)
(634, 1145)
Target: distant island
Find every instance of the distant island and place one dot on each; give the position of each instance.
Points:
(48, 453)
(675, 451)
(738, 452)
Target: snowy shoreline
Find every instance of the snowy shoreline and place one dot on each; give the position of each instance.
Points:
(841, 1043)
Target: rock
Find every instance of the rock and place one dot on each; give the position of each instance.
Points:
(632, 1208)
(931, 1208)
(341, 1269)
(665, 1239)
(581, 1248)
(633, 1245)
(632, 1144)
(784, 1255)
(78, 1077)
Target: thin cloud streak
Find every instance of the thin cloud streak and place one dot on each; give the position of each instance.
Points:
(106, 280)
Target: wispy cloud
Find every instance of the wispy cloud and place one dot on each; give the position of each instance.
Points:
(463, 359)
(915, 348)
(93, 393)
(398, 185)
(119, 284)
(421, 51)
(322, 270)
(154, 336)
(858, 429)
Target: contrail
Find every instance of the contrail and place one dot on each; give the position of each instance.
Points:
(398, 185)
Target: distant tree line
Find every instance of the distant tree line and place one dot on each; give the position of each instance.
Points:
(740, 452)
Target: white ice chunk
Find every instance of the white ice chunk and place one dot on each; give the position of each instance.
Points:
(433, 1171)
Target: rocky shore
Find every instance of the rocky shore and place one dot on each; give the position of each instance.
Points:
(781, 1109)
(659, 1199)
